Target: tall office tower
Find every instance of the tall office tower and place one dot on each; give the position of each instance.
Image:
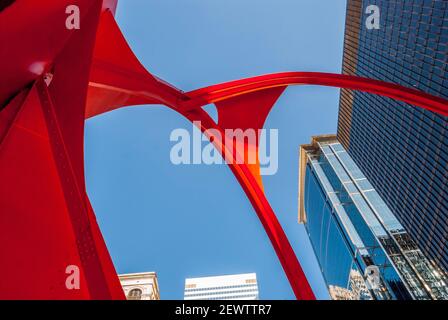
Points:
(230, 287)
(363, 250)
(140, 286)
(402, 150)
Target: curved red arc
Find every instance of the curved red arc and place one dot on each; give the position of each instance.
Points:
(268, 219)
(231, 89)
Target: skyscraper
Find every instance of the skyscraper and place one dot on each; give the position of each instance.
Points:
(402, 150)
(362, 249)
(229, 287)
(140, 286)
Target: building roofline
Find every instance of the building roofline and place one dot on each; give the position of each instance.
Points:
(303, 150)
(152, 274)
(250, 274)
(138, 274)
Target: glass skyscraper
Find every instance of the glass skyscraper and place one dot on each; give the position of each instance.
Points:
(402, 150)
(363, 250)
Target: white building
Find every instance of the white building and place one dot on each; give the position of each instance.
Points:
(231, 287)
(140, 286)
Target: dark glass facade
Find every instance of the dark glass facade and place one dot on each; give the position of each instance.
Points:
(354, 233)
(402, 150)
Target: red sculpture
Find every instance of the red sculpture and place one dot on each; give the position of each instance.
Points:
(53, 79)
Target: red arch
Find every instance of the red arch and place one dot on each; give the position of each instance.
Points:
(231, 89)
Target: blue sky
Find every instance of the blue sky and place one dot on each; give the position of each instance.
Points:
(195, 220)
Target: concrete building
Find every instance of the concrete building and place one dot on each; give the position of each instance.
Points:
(229, 287)
(140, 286)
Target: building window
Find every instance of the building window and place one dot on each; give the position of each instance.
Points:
(135, 294)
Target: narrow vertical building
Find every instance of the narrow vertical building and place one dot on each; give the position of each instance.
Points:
(229, 287)
(363, 250)
(402, 150)
(140, 286)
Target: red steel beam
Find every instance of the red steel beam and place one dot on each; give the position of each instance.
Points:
(231, 89)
